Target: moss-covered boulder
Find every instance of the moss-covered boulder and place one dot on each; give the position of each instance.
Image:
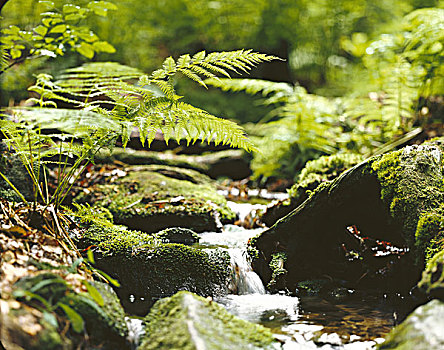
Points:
(148, 269)
(154, 197)
(231, 163)
(421, 330)
(96, 311)
(432, 282)
(177, 235)
(189, 322)
(364, 226)
(315, 172)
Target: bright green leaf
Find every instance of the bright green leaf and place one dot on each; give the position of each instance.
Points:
(86, 50)
(41, 30)
(94, 293)
(69, 8)
(50, 318)
(103, 46)
(101, 8)
(15, 53)
(77, 322)
(61, 28)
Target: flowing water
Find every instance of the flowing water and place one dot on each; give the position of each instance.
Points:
(356, 322)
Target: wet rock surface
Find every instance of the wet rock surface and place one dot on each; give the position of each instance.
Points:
(422, 330)
(148, 269)
(381, 200)
(187, 321)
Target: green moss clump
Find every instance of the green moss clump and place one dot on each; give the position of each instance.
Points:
(411, 185)
(189, 322)
(277, 270)
(177, 235)
(432, 281)
(430, 233)
(151, 198)
(325, 168)
(115, 239)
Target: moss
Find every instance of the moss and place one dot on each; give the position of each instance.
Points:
(186, 321)
(432, 281)
(278, 271)
(411, 185)
(177, 235)
(152, 198)
(113, 240)
(317, 171)
(105, 325)
(311, 287)
(430, 233)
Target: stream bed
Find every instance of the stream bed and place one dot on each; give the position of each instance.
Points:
(357, 321)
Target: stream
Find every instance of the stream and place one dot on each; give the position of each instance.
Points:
(355, 322)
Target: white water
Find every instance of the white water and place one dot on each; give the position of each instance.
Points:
(234, 240)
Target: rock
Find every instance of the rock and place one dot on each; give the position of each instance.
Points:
(153, 197)
(12, 167)
(187, 321)
(384, 197)
(421, 330)
(177, 235)
(432, 282)
(148, 269)
(315, 172)
(228, 163)
(104, 320)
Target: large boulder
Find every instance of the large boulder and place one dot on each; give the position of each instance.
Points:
(154, 197)
(187, 321)
(363, 227)
(421, 330)
(148, 269)
(315, 172)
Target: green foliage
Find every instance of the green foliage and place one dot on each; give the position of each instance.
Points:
(61, 28)
(38, 151)
(97, 85)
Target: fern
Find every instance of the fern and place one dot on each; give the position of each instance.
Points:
(133, 99)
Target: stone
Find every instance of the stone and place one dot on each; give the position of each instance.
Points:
(421, 330)
(187, 321)
(382, 200)
(148, 269)
(151, 198)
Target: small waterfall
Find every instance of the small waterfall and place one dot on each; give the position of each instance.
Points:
(244, 280)
(234, 240)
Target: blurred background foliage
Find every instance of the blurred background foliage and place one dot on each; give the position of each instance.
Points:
(358, 76)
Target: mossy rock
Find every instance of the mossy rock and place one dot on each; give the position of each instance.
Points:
(104, 320)
(231, 163)
(153, 197)
(432, 282)
(12, 167)
(189, 322)
(421, 330)
(385, 197)
(315, 172)
(148, 269)
(177, 235)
